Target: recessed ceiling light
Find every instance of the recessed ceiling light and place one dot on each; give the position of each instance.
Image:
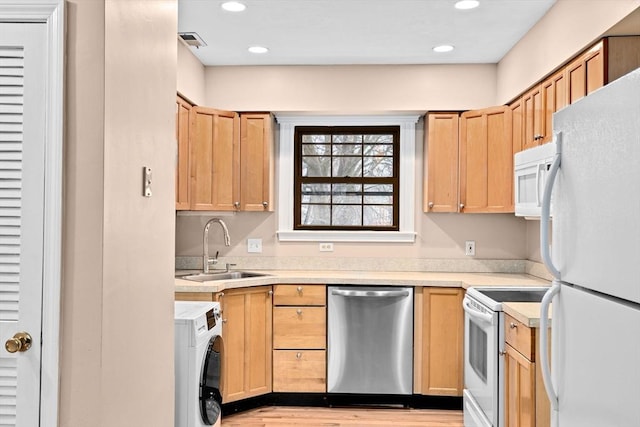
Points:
(443, 48)
(467, 4)
(258, 49)
(233, 6)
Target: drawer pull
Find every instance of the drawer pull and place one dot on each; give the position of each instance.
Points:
(299, 289)
(513, 325)
(298, 355)
(299, 312)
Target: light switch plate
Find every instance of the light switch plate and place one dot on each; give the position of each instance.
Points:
(254, 245)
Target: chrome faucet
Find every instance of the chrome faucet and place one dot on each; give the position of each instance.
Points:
(206, 261)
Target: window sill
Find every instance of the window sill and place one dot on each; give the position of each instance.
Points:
(347, 236)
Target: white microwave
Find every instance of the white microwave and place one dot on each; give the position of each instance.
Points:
(531, 168)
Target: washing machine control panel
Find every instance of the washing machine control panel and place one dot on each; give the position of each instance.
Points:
(207, 321)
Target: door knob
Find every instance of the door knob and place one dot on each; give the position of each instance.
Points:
(21, 341)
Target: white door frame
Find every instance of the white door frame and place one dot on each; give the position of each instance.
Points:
(50, 13)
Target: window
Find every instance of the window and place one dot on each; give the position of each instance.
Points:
(346, 178)
(405, 155)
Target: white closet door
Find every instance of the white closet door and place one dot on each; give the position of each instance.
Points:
(23, 64)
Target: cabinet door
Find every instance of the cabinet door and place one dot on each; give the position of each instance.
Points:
(441, 163)
(517, 125)
(486, 160)
(256, 159)
(519, 390)
(246, 334)
(439, 327)
(182, 165)
(586, 73)
(533, 117)
(554, 95)
(215, 156)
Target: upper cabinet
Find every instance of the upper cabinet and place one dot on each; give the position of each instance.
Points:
(441, 162)
(610, 58)
(215, 159)
(182, 165)
(225, 160)
(486, 160)
(256, 161)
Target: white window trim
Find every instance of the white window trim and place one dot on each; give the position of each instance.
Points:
(406, 232)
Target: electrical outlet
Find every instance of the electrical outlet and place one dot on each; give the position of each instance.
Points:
(326, 247)
(254, 245)
(470, 248)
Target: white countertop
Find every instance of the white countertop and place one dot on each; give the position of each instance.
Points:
(395, 278)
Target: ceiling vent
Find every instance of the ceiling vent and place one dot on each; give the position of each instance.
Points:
(192, 39)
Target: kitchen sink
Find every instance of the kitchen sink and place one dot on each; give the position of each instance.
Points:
(223, 275)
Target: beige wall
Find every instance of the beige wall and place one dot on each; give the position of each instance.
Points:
(117, 302)
(568, 27)
(190, 76)
(351, 88)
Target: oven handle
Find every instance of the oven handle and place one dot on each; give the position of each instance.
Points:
(487, 318)
(379, 294)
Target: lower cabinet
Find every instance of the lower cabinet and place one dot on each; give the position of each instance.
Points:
(299, 339)
(526, 403)
(438, 341)
(246, 336)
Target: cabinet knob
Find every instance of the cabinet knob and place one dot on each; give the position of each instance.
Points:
(461, 205)
(299, 312)
(265, 205)
(299, 289)
(298, 355)
(236, 205)
(270, 293)
(430, 205)
(220, 295)
(224, 320)
(502, 352)
(512, 325)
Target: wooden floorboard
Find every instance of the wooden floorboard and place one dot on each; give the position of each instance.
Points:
(273, 416)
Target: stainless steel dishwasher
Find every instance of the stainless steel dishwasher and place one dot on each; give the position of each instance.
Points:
(370, 339)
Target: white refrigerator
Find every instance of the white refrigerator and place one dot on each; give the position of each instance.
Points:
(594, 377)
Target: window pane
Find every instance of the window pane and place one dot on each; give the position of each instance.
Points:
(341, 139)
(316, 139)
(316, 193)
(346, 149)
(347, 166)
(316, 149)
(316, 166)
(387, 139)
(378, 150)
(378, 167)
(347, 193)
(315, 214)
(346, 215)
(378, 215)
(378, 194)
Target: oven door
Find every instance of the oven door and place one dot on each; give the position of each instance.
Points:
(481, 330)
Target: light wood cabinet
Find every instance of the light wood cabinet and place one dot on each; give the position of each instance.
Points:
(299, 338)
(517, 125)
(526, 403)
(438, 341)
(214, 155)
(256, 162)
(533, 117)
(441, 162)
(486, 160)
(246, 337)
(183, 109)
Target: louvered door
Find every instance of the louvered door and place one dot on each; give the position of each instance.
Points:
(22, 184)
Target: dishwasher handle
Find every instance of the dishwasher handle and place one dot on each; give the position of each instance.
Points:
(370, 293)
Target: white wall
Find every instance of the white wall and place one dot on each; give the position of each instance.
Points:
(190, 75)
(116, 354)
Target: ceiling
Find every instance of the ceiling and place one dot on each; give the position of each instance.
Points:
(318, 32)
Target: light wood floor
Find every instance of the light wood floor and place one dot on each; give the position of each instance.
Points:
(274, 416)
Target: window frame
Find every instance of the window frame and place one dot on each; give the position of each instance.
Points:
(299, 180)
(285, 173)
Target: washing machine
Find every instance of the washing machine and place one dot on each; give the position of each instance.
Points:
(198, 364)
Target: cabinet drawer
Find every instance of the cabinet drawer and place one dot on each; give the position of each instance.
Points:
(299, 371)
(299, 295)
(520, 336)
(299, 327)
